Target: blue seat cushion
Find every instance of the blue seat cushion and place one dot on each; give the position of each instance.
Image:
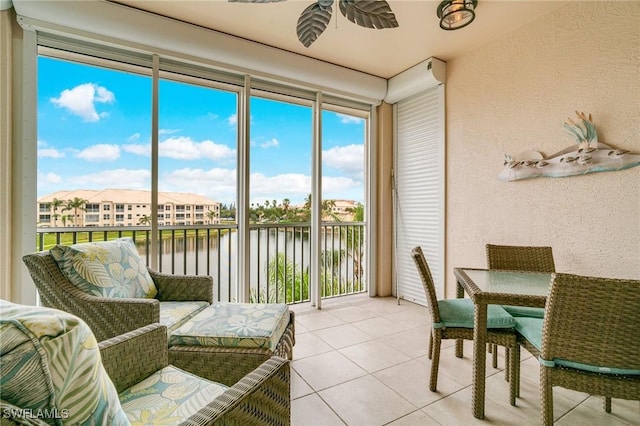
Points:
(524, 311)
(460, 313)
(531, 329)
(589, 367)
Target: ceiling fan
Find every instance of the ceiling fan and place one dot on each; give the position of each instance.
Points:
(315, 18)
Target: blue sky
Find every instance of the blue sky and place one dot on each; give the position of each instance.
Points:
(94, 132)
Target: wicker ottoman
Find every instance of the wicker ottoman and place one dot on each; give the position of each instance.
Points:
(226, 341)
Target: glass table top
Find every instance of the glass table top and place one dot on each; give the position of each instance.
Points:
(525, 283)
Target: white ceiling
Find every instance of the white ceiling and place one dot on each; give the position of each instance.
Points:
(383, 53)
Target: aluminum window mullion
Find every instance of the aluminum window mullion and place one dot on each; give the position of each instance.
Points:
(154, 160)
(316, 202)
(243, 286)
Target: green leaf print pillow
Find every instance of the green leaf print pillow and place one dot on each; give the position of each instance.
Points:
(106, 268)
(50, 367)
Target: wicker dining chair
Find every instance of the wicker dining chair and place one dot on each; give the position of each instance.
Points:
(589, 339)
(442, 314)
(519, 258)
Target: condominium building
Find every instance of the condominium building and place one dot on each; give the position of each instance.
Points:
(124, 207)
(344, 209)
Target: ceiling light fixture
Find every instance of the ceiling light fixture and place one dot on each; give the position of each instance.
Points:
(456, 14)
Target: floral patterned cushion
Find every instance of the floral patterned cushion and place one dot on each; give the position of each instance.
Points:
(168, 397)
(50, 364)
(106, 268)
(174, 314)
(252, 325)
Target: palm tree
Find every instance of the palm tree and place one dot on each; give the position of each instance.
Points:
(75, 205)
(56, 203)
(145, 219)
(66, 218)
(211, 215)
(327, 210)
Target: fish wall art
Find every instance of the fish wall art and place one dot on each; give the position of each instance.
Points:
(587, 156)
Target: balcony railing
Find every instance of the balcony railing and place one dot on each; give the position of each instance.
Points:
(280, 256)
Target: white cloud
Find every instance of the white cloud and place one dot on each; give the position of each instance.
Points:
(336, 186)
(273, 143)
(349, 119)
(138, 149)
(233, 119)
(45, 151)
(168, 131)
(218, 184)
(50, 153)
(347, 159)
(81, 100)
(184, 148)
(134, 137)
(117, 178)
(100, 152)
(266, 186)
(49, 179)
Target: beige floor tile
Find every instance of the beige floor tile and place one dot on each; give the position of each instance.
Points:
(300, 329)
(325, 370)
(342, 336)
(309, 344)
(380, 327)
(411, 317)
(414, 342)
(455, 410)
(352, 313)
(623, 410)
(411, 381)
(311, 410)
(461, 369)
(365, 401)
(585, 416)
(299, 387)
(374, 355)
(417, 418)
(362, 361)
(318, 320)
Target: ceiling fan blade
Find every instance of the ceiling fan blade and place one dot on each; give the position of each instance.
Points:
(369, 14)
(255, 1)
(312, 22)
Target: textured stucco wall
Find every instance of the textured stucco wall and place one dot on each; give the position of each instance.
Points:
(512, 95)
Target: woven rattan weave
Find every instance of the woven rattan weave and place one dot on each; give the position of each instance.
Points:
(502, 337)
(110, 317)
(261, 397)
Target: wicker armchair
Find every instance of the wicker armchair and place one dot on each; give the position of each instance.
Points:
(590, 339)
(519, 258)
(110, 317)
(260, 397)
(440, 330)
(143, 386)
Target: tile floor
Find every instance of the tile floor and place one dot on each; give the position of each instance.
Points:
(363, 361)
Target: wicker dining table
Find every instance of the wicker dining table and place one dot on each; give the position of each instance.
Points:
(494, 287)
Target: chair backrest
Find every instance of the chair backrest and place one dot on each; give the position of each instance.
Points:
(427, 283)
(51, 283)
(593, 321)
(520, 258)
